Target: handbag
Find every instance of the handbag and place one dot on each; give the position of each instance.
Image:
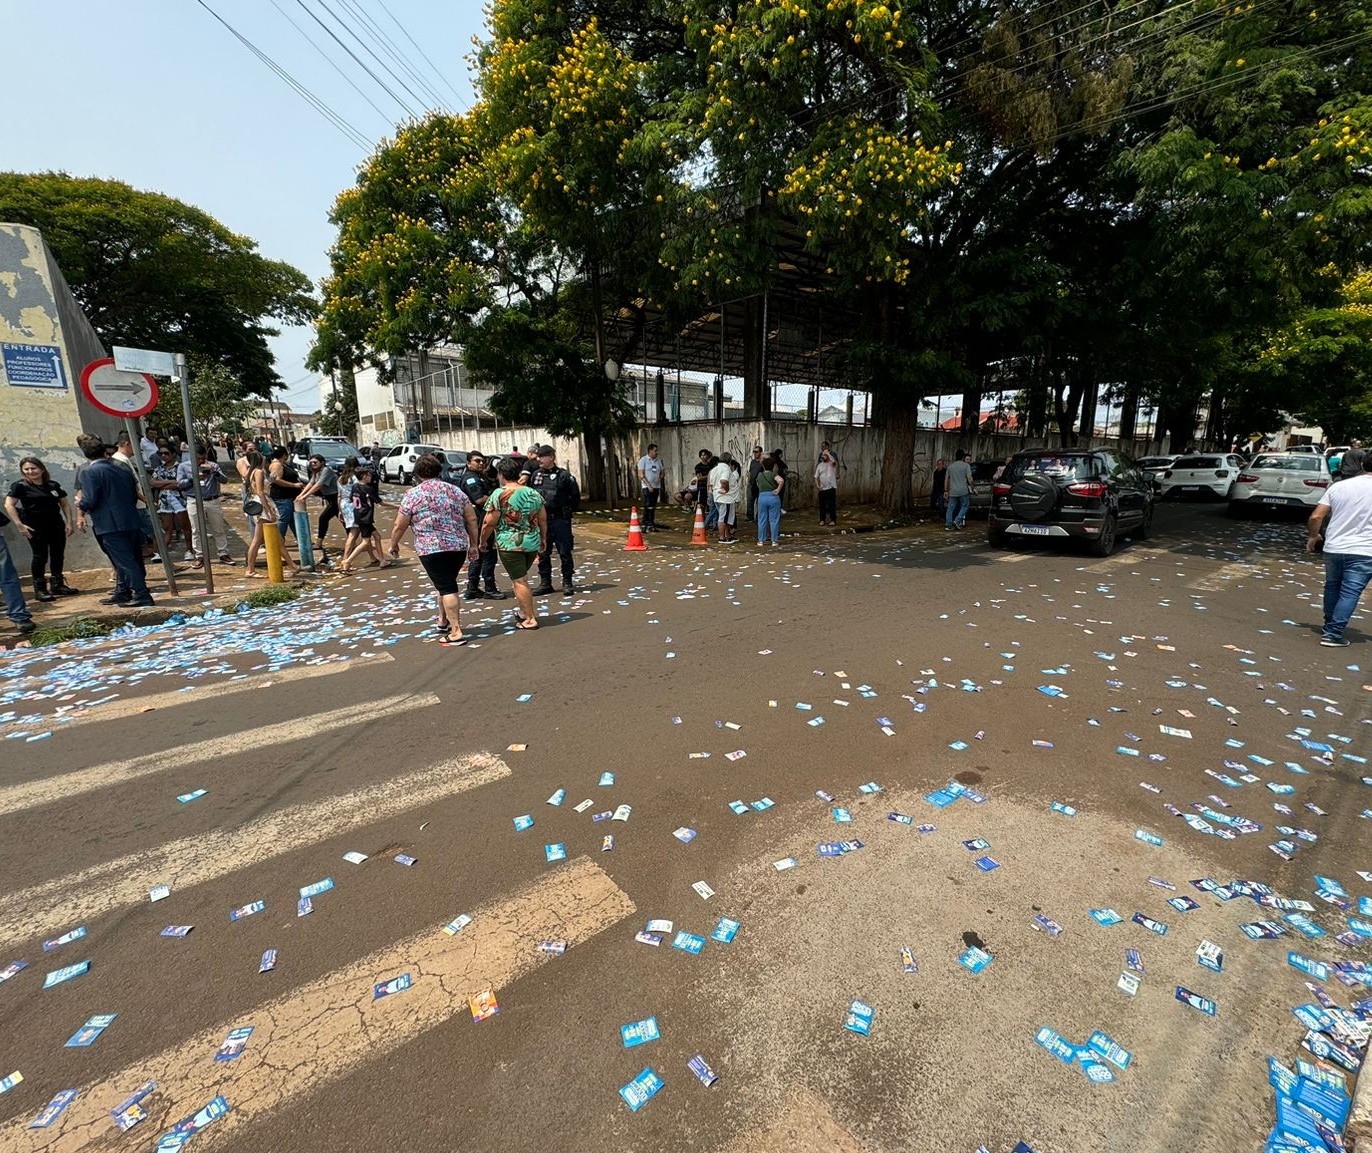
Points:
(252, 504)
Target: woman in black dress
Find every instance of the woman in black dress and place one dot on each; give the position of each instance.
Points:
(40, 509)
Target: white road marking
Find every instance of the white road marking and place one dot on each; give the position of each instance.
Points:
(193, 860)
(132, 706)
(323, 1031)
(30, 794)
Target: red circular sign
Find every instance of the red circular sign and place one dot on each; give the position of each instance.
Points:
(116, 392)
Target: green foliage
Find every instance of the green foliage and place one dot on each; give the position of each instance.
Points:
(268, 596)
(217, 401)
(152, 272)
(1039, 191)
(78, 630)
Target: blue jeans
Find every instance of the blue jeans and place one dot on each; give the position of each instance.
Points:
(711, 514)
(768, 516)
(1346, 574)
(125, 550)
(15, 607)
(285, 518)
(956, 513)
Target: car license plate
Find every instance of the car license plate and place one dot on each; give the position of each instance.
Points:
(1190, 488)
(1274, 500)
(1033, 530)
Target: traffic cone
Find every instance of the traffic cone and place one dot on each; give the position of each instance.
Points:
(698, 532)
(635, 543)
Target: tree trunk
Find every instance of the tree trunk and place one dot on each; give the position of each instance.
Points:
(595, 464)
(899, 422)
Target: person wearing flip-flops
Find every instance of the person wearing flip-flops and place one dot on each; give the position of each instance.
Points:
(518, 521)
(444, 524)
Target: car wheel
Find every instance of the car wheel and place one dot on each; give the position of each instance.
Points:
(1104, 544)
(1145, 529)
(996, 537)
(404, 477)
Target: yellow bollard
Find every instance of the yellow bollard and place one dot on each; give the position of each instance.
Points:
(271, 537)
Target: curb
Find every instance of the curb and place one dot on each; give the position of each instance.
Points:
(1360, 1116)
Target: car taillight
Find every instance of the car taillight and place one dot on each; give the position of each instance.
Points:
(1088, 488)
(1316, 483)
(1245, 478)
(1221, 472)
(1167, 474)
(1000, 490)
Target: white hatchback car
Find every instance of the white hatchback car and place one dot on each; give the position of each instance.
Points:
(397, 466)
(1280, 480)
(1203, 477)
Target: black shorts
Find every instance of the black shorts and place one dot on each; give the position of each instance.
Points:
(443, 568)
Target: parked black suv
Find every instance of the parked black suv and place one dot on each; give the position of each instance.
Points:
(1089, 494)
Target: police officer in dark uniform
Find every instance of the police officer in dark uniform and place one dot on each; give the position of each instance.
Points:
(562, 497)
(480, 565)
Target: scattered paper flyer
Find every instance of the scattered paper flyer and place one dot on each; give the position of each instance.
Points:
(86, 1035)
(394, 985)
(483, 1005)
(703, 890)
(233, 1045)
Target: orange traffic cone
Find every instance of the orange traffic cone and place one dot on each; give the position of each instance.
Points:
(635, 543)
(698, 532)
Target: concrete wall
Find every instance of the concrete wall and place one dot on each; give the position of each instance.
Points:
(859, 448)
(37, 311)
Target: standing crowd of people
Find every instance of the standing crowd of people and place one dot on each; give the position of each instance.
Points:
(724, 488)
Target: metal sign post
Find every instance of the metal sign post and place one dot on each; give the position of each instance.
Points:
(184, 376)
(150, 498)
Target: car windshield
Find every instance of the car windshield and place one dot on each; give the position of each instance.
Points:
(1070, 467)
(1155, 462)
(332, 448)
(1301, 463)
(1199, 462)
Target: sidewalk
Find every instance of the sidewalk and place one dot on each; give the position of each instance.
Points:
(594, 526)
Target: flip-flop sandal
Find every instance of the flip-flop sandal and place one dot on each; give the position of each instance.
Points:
(527, 625)
(452, 642)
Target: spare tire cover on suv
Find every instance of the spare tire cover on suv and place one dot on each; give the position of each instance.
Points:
(1034, 496)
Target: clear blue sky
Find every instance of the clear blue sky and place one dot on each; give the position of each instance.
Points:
(157, 93)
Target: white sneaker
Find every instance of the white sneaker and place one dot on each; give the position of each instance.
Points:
(190, 555)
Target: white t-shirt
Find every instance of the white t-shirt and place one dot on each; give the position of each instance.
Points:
(720, 474)
(1349, 528)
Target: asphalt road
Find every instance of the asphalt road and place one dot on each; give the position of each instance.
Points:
(904, 660)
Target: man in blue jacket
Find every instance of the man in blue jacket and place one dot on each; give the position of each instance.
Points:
(109, 498)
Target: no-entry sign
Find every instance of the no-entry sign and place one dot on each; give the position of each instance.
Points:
(116, 392)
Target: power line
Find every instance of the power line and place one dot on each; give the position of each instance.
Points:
(387, 45)
(331, 61)
(400, 81)
(333, 36)
(404, 32)
(319, 105)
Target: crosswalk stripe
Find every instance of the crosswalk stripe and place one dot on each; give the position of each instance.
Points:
(325, 1030)
(131, 706)
(188, 861)
(30, 794)
(1222, 577)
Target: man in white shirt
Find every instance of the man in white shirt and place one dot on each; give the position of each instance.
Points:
(1347, 509)
(650, 477)
(724, 487)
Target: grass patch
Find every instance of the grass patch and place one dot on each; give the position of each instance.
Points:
(269, 595)
(79, 630)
